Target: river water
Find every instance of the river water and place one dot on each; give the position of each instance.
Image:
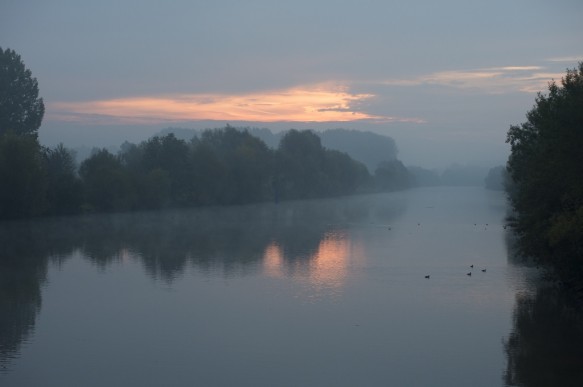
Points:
(311, 293)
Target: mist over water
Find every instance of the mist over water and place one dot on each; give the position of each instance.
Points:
(311, 293)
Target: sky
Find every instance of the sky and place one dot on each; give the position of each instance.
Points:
(445, 79)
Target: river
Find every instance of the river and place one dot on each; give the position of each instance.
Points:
(328, 292)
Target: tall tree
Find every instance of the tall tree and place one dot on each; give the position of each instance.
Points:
(546, 166)
(106, 183)
(21, 110)
(64, 190)
(299, 163)
(246, 162)
(22, 183)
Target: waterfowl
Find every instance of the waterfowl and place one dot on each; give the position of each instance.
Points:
(484, 270)
(470, 273)
(427, 276)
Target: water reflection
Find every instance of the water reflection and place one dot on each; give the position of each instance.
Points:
(22, 273)
(303, 240)
(545, 346)
(325, 267)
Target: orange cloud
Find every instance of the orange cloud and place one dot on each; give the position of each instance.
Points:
(494, 80)
(303, 104)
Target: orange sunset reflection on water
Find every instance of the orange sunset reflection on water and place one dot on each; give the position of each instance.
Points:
(326, 268)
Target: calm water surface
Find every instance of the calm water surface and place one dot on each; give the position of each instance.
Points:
(315, 293)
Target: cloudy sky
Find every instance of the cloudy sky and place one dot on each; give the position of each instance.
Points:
(444, 78)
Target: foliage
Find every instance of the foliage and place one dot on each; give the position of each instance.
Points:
(21, 110)
(21, 176)
(64, 189)
(299, 161)
(392, 175)
(219, 167)
(546, 167)
(243, 162)
(106, 184)
(367, 147)
(305, 169)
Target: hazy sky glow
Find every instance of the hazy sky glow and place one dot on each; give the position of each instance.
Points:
(444, 79)
(310, 104)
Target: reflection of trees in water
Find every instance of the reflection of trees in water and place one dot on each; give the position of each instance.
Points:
(228, 240)
(23, 269)
(545, 347)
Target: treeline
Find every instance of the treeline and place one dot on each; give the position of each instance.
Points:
(220, 167)
(546, 170)
(369, 148)
(454, 175)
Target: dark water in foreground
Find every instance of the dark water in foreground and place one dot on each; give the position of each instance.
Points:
(316, 293)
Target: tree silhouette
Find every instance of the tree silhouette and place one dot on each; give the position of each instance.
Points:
(21, 110)
(546, 166)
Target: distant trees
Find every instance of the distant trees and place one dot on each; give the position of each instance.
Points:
(367, 147)
(463, 175)
(242, 164)
(220, 167)
(496, 179)
(305, 169)
(106, 183)
(63, 187)
(422, 177)
(299, 165)
(392, 176)
(546, 167)
(21, 110)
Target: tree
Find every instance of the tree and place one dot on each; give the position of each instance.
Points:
(345, 175)
(106, 183)
(299, 161)
(391, 176)
(21, 110)
(546, 168)
(246, 162)
(64, 191)
(22, 184)
(170, 158)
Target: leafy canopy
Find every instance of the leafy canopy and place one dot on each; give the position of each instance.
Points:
(546, 167)
(21, 110)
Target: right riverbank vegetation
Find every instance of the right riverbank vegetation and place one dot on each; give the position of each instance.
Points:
(546, 181)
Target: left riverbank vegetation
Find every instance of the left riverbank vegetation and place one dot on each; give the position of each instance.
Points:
(223, 166)
(546, 185)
